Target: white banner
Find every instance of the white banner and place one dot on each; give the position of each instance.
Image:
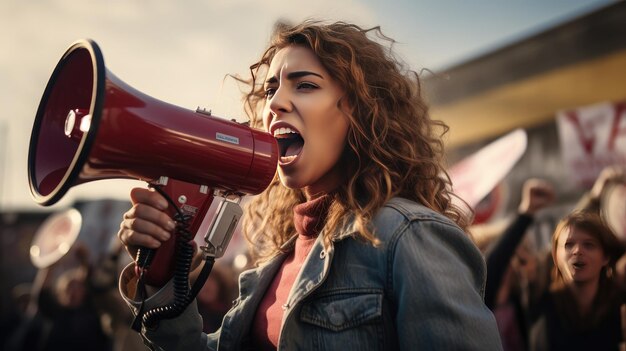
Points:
(592, 138)
(474, 177)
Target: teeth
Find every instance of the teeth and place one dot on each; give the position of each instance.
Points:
(283, 131)
(287, 159)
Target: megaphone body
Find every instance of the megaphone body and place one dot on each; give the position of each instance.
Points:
(90, 125)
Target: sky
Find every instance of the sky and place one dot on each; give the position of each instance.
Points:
(181, 51)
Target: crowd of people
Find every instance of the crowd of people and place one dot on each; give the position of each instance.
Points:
(572, 297)
(74, 304)
(357, 240)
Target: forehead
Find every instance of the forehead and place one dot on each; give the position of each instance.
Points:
(573, 233)
(295, 58)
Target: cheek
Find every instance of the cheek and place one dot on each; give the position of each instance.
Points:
(329, 130)
(340, 134)
(562, 256)
(266, 118)
(338, 127)
(333, 141)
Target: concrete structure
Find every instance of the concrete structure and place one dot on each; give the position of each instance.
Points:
(578, 63)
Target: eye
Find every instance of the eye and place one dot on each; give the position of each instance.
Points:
(269, 92)
(568, 245)
(306, 86)
(589, 245)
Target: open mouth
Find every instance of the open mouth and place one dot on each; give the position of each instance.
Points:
(290, 144)
(578, 265)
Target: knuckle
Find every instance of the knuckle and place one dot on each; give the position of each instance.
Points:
(133, 223)
(120, 232)
(138, 209)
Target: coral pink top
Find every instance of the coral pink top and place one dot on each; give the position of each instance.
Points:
(309, 218)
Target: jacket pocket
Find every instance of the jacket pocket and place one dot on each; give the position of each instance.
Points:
(338, 311)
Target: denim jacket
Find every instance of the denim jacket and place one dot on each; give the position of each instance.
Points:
(420, 289)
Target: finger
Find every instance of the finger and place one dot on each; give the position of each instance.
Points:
(146, 227)
(123, 239)
(151, 214)
(543, 188)
(133, 240)
(148, 197)
(545, 193)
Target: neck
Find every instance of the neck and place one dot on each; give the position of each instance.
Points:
(315, 191)
(309, 217)
(311, 194)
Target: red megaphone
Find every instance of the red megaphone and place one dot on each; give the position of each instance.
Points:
(90, 125)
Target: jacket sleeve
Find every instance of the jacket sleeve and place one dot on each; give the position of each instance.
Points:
(181, 333)
(437, 279)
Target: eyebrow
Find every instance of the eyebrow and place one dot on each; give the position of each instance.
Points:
(294, 75)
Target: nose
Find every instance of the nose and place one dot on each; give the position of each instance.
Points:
(280, 102)
(576, 249)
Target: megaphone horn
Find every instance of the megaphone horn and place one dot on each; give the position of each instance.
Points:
(90, 125)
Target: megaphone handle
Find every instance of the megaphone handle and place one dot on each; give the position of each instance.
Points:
(161, 273)
(146, 255)
(192, 204)
(182, 239)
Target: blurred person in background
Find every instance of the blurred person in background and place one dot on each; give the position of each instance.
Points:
(61, 315)
(109, 305)
(592, 201)
(581, 309)
(512, 268)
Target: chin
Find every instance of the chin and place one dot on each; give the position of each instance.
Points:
(585, 280)
(289, 182)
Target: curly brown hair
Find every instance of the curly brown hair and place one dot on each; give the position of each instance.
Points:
(393, 147)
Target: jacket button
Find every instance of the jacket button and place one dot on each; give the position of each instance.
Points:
(322, 254)
(337, 319)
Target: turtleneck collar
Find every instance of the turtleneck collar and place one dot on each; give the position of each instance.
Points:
(309, 217)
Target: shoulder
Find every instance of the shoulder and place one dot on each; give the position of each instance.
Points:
(412, 210)
(418, 238)
(400, 214)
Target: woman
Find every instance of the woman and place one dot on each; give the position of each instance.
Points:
(582, 309)
(360, 244)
